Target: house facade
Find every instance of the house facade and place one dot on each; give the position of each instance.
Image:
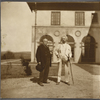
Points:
(81, 27)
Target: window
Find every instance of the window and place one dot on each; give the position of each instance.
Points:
(79, 19)
(95, 18)
(55, 18)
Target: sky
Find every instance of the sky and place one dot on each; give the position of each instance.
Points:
(16, 26)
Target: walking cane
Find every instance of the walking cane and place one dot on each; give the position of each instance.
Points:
(71, 71)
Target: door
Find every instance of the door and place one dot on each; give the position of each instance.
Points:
(89, 49)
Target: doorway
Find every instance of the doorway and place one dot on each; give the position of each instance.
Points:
(71, 43)
(50, 43)
(89, 49)
(47, 37)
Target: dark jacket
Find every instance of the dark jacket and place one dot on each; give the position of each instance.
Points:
(43, 54)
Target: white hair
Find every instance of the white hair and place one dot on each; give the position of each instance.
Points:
(64, 37)
(45, 39)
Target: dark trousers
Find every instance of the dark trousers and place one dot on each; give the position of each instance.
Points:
(44, 74)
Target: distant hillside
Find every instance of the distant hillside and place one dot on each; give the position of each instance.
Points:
(17, 55)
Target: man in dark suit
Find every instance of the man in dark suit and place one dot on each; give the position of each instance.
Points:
(44, 59)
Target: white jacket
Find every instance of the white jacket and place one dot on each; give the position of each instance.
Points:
(63, 51)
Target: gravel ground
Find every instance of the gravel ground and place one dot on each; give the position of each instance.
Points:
(86, 85)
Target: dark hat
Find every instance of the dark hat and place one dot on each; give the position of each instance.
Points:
(39, 68)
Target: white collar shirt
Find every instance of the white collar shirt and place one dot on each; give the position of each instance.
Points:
(64, 50)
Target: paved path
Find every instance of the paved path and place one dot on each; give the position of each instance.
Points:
(86, 85)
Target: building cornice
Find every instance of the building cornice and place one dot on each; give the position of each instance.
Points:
(68, 26)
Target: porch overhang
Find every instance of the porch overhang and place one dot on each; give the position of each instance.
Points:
(87, 6)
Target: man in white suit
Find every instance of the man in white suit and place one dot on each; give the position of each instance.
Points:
(63, 53)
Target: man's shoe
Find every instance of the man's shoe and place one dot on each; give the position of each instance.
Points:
(41, 84)
(67, 83)
(57, 83)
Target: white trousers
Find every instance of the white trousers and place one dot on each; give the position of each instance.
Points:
(66, 65)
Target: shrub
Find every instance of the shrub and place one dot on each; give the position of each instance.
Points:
(8, 55)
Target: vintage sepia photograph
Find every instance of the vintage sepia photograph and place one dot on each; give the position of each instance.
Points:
(50, 50)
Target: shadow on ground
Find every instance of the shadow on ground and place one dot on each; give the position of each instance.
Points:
(91, 68)
(35, 79)
(52, 79)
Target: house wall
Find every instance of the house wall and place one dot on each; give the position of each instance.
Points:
(67, 18)
(67, 26)
(95, 32)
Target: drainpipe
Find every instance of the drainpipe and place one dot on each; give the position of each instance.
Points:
(35, 30)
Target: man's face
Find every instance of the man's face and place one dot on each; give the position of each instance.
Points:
(64, 39)
(45, 41)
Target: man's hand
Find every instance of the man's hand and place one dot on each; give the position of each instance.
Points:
(69, 58)
(39, 63)
(57, 56)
